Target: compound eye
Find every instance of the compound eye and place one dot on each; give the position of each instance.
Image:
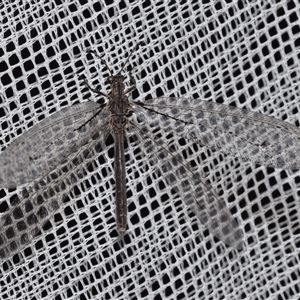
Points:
(109, 80)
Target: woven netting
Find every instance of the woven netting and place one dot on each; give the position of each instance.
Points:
(244, 53)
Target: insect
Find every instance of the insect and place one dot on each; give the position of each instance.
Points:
(48, 159)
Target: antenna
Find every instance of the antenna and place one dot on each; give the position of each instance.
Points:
(124, 64)
(101, 59)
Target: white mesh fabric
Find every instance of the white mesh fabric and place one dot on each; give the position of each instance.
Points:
(244, 54)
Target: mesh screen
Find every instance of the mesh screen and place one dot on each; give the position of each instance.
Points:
(244, 54)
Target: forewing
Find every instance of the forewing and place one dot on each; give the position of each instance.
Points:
(189, 184)
(40, 200)
(238, 132)
(47, 144)
(62, 146)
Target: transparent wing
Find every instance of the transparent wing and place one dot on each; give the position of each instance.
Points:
(44, 195)
(40, 200)
(238, 132)
(44, 146)
(189, 184)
